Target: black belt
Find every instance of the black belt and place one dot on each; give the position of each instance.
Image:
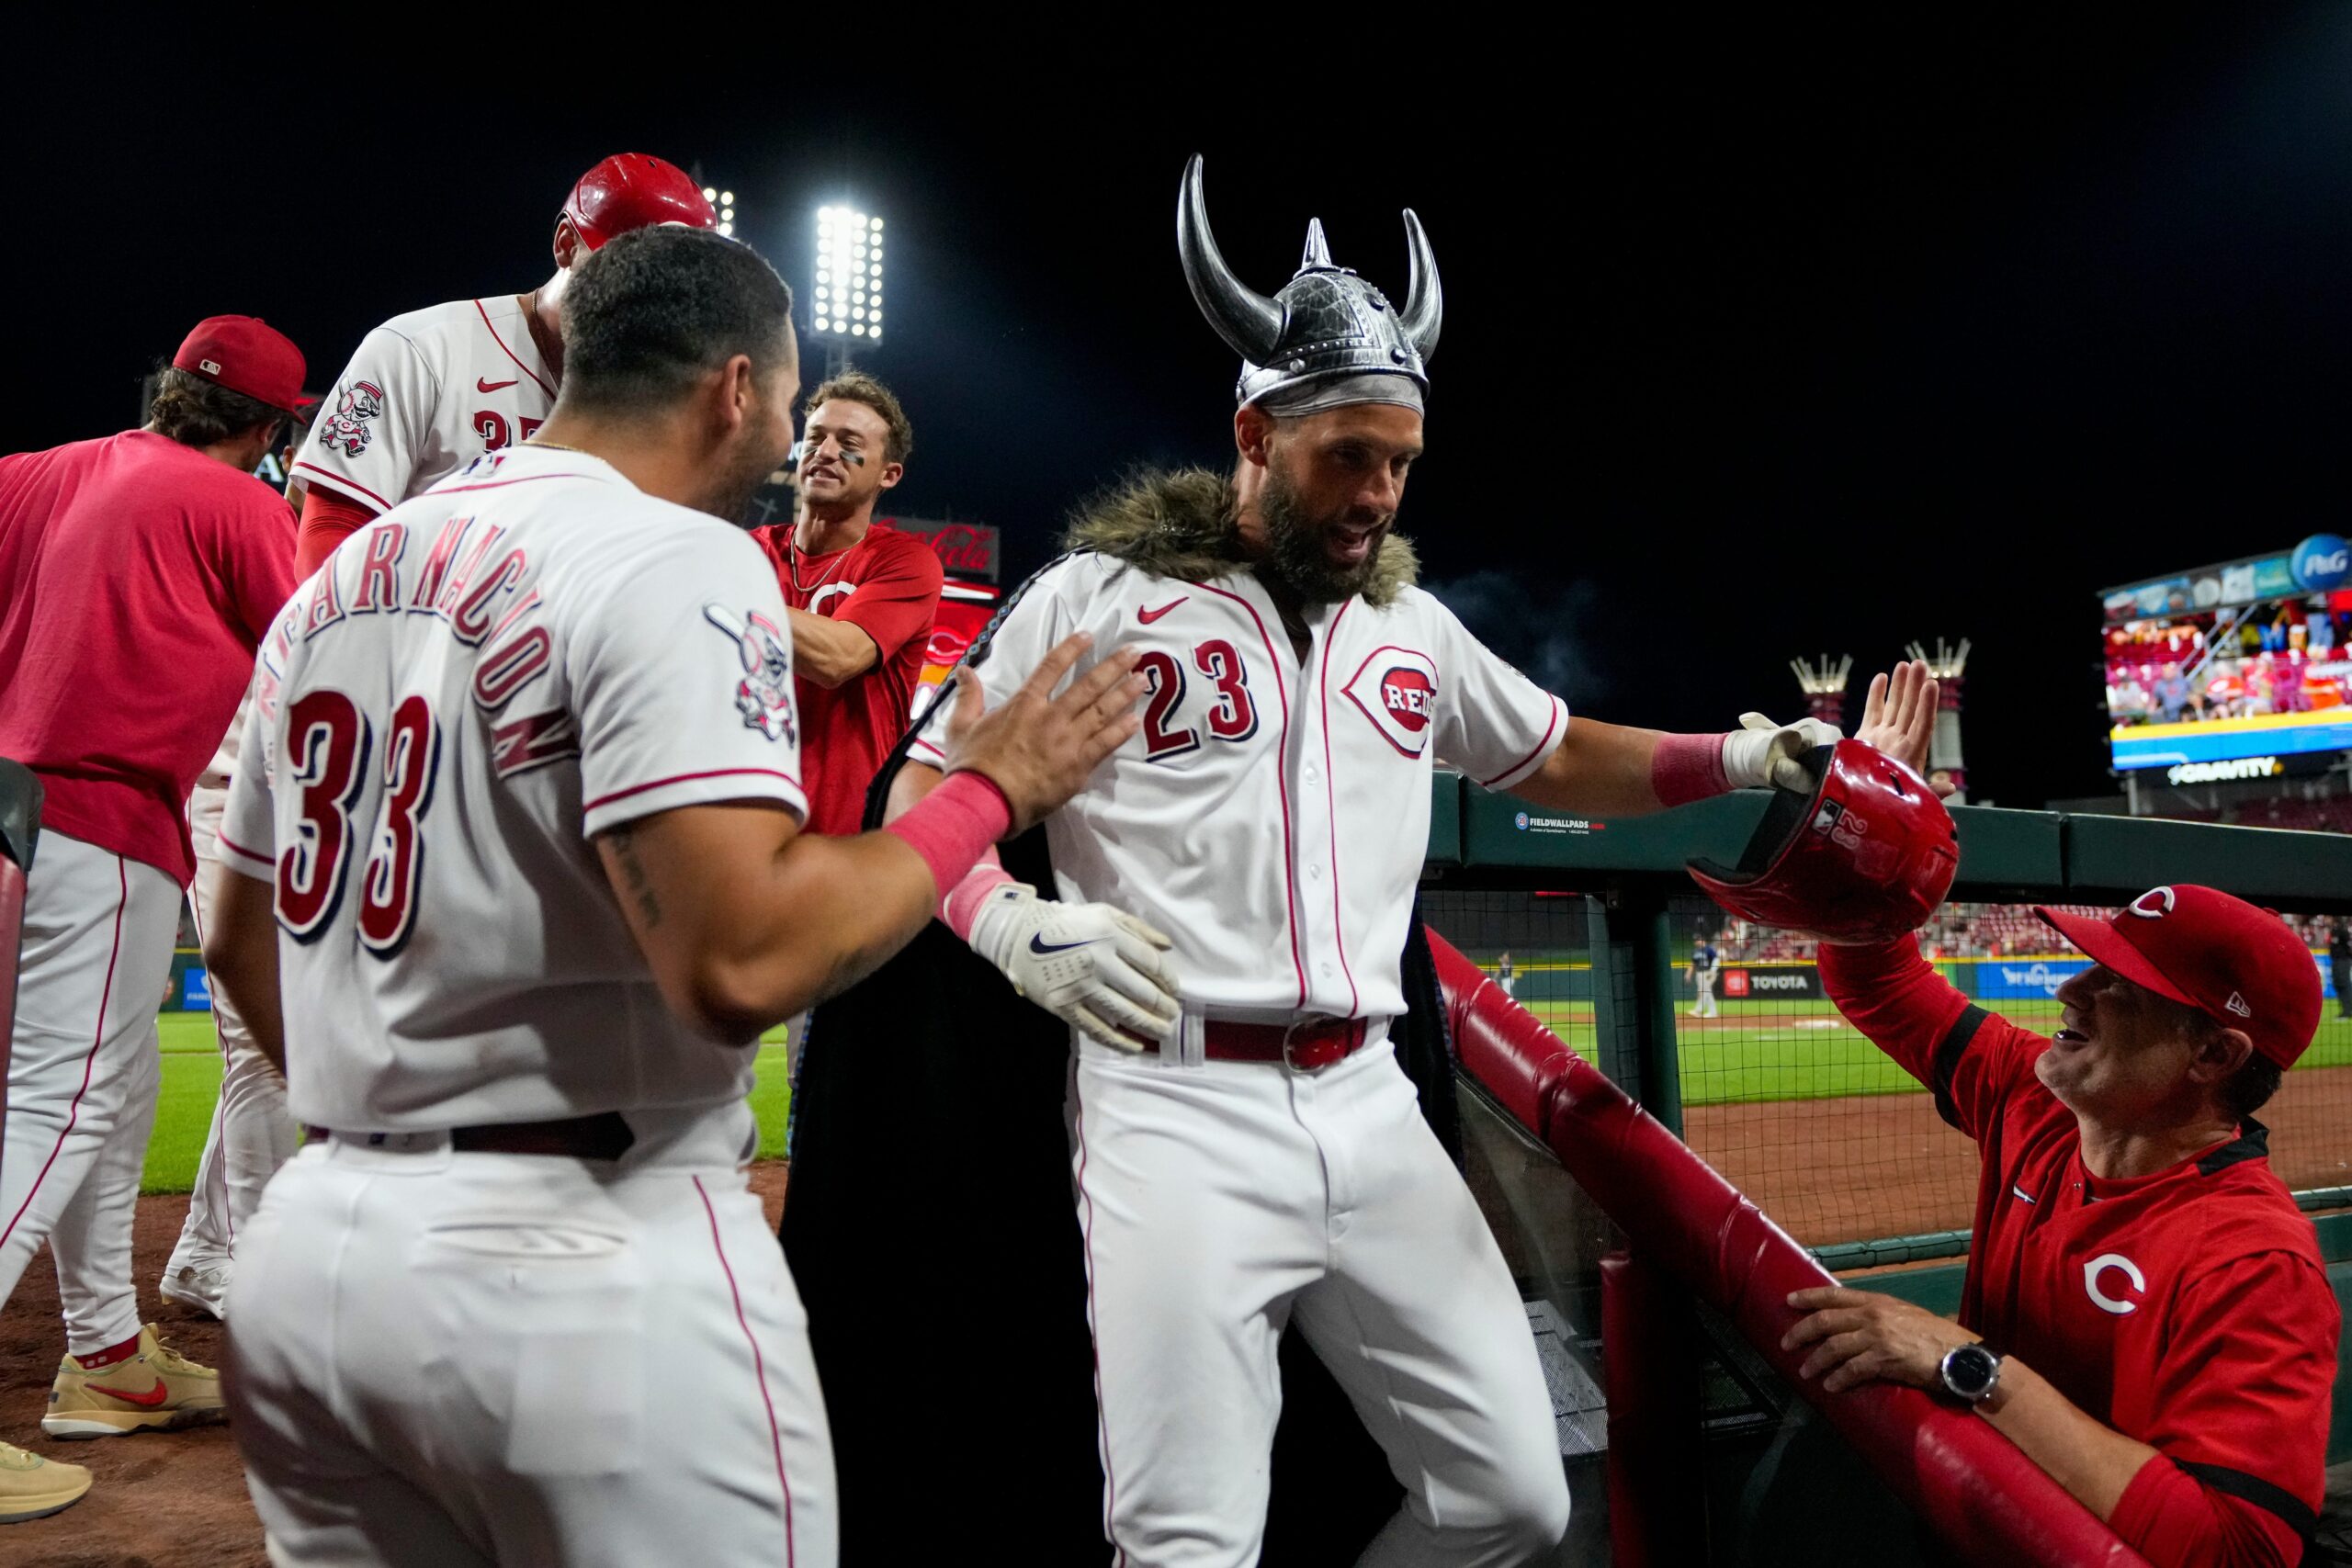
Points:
(605, 1135)
(1306, 1046)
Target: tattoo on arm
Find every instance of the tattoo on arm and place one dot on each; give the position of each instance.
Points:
(853, 966)
(640, 886)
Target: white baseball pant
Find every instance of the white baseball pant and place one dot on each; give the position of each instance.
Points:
(450, 1361)
(251, 1131)
(82, 1074)
(1223, 1200)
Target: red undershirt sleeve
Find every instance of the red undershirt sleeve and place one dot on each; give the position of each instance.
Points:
(328, 519)
(1968, 1057)
(2175, 1522)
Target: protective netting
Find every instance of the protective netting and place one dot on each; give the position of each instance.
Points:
(1838, 1143)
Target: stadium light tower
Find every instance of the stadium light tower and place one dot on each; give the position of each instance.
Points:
(722, 201)
(1943, 752)
(846, 300)
(1825, 687)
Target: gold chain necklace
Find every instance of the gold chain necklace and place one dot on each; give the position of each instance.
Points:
(792, 572)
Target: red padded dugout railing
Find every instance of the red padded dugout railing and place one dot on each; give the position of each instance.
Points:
(1984, 1499)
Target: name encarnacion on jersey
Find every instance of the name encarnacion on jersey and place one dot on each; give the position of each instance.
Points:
(484, 597)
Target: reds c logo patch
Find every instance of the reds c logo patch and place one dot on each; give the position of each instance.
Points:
(763, 697)
(1397, 689)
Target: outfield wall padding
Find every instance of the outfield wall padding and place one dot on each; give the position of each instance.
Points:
(1984, 1499)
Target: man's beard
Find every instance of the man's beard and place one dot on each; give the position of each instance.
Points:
(1298, 555)
(732, 482)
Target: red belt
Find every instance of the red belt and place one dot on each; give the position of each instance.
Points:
(1306, 1046)
(605, 1136)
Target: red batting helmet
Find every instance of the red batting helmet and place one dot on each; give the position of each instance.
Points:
(1867, 856)
(635, 190)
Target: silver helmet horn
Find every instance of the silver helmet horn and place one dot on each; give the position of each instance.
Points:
(1325, 324)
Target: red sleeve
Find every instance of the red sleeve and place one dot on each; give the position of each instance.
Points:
(900, 602)
(1970, 1058)
(2242, 1436)
(328, 519)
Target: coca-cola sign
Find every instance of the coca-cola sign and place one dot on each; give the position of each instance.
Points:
(965, 550)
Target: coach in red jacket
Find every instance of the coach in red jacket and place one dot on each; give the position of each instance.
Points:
(2162, 1334)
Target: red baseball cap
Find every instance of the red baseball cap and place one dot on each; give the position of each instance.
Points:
(246, 354)
(2242, 967)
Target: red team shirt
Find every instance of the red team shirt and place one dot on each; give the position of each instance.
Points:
(886, 584)
(2188, 1310)
(136, 577)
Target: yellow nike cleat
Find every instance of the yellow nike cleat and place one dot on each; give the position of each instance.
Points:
(32, 1487)
(158, 1388)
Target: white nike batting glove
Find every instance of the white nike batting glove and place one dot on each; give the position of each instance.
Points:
(1096, 968)
(1761, 752)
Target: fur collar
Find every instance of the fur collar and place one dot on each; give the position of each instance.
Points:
(1180, 525)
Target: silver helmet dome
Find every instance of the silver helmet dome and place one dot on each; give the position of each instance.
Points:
(1325, 324)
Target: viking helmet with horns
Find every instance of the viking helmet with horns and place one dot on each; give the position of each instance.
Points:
(1326, 327)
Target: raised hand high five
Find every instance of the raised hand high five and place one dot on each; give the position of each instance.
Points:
(1899, 716)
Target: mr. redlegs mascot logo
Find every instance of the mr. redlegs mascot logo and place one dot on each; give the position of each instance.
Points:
(763, 697)
(347, 426)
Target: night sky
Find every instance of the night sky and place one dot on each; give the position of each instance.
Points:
(1759, 342)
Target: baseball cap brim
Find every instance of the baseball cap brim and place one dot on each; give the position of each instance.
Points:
(2104, 945)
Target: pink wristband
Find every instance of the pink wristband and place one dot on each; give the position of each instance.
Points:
(962, 905)
(1686, 768)
(953, 825)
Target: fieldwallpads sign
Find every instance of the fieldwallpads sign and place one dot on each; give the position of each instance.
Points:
(1526, 822)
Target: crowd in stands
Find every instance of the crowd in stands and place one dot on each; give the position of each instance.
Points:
(2292, 661)
(1959, 931)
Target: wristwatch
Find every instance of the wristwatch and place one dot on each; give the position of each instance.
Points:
(1969, 1371)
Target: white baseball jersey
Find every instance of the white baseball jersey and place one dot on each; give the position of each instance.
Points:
(426, 394)
(1272, 815)
(478, 681)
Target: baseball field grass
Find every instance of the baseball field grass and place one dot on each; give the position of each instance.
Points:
(192, 1081)
(1757, 1052)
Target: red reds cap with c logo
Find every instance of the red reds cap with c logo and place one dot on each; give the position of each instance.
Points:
(2242, 966)
(246, 354)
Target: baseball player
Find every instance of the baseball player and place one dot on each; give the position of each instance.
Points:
(1260, 1160)
(1504, 973)
(165, 530)
(517, 844)
(861, 595)
(1704, 962)
(430, 391)
(426, 393)
(252, 1133)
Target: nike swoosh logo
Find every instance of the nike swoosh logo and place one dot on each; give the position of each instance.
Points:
(482, 385)
(1147, 617)
(1037, 943)
(151, 1399)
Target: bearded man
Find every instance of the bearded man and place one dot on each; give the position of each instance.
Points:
(1247, 1153)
